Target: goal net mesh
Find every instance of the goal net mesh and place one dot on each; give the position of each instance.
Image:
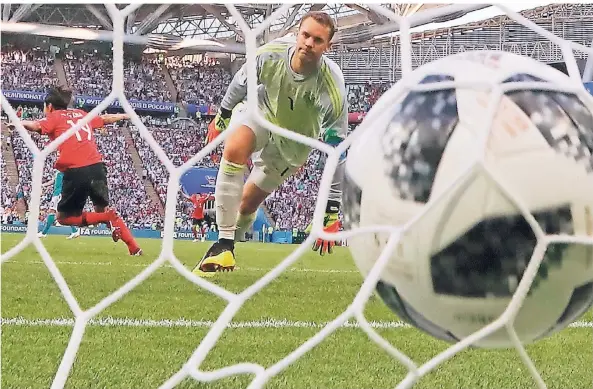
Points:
(192, 368)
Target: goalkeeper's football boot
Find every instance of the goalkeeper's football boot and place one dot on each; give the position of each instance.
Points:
(219, 258)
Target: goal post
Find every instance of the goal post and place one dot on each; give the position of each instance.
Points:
(192, 368)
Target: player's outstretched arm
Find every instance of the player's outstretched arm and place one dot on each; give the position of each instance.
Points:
(30, 125)
(336, 124)
(331, 222)
(113, 118)
(235, 93)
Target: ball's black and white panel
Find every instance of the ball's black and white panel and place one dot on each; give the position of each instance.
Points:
(567, 126)
(562, 119)
(490, 258)
(461, 278)
(415, 139)
(407, 313)
(580, 302)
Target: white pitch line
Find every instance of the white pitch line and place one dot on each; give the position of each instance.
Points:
(128, 322)
(266, 323)
(239, 268)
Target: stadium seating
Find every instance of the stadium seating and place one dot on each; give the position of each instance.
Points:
(179, 144)
(293, 203)
(125, 187)
(27, 70)
(91, 75)
(7, 197)
(198, 83)
(361, 97)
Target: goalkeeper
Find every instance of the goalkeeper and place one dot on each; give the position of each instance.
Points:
(299, 89)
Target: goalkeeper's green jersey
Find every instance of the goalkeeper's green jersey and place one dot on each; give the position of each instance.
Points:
(308, 105)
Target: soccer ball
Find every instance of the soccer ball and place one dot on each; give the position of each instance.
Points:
(458, 265)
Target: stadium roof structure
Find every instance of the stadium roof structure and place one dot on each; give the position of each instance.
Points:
(211, 28)
(195, 20)
(216, 23)
(201, 21)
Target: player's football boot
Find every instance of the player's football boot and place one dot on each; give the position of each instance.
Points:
(74, 235)
(136, 252)
(41, 234)
(116, 234)
(115, 231)
(219, 258)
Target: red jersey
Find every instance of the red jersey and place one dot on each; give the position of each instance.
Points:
(198, 202)
(80, 149)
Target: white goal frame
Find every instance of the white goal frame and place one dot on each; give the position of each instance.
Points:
(236, 300)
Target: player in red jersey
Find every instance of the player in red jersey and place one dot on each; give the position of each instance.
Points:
(198, 200)
(85, 174)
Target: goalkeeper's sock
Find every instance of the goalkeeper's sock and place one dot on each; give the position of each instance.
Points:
(229, 189)
(195, 231)
(48, 223)
(74, 229)
(244, 223)
(85, 219)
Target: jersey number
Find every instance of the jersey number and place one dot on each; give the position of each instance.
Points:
(86, 128)
(291, 103)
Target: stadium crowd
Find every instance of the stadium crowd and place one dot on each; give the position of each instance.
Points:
(91, 75)
(7, 197)
(290, 206)
(180, 141)
(27, 70)
(195, 82)
(198, 83)
(361, 97)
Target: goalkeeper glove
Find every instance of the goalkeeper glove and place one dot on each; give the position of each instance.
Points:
(331, 223)
(219, 124)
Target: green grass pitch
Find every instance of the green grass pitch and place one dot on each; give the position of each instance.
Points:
(145, 337)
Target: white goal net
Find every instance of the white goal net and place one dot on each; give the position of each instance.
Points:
(193, 367)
